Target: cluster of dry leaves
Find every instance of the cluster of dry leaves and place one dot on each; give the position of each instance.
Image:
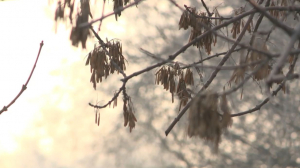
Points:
(204, 118)
(104, 59)
(196, 20)
(173, 76)
(240, 24)
(128, 112)
(119, 4)
(82, 16)
(277, 13)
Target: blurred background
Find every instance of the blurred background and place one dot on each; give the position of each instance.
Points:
(52, 125)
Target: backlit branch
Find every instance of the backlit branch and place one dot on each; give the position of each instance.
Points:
(24, 87)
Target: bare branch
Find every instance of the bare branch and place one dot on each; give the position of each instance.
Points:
(276, 22)
(113, 98)
(206, 8)
(283, 57)
(24, 87)
(257, 107)
(213, 75)
(84, 25)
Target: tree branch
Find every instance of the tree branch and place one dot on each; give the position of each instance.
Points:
(283, 57)
(24, 87)
(84, 25)
(257, 107)
(213, 75)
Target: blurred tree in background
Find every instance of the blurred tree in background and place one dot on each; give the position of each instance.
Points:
(230, 66)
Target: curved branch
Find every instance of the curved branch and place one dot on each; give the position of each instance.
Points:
(257, 107)
(24, 86)
(213, 75)
(84, 25)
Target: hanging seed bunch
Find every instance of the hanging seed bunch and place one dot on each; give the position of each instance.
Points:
(217, 15)
(181, 91)
(167, 76)
(100, 65)
(274, 13)
(224, 109)
(115, 101)
(59, 12)
(263, 72)
(204, 120)
(79, 34)
(283, 3)
(97, 117)
(293, 56)
(67, 3)
(240, 24)
(239, 73)
(128, 112)
(115, 51)
(118, 4)
(189, 18)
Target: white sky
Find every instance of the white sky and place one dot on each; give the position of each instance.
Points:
(24, 25)
(50, 118)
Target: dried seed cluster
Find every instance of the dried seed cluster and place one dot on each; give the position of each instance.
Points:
(204, 120)
(59, 12)
(167, 76)
(117, 4)
(239, 73)
(217, 15)
(277, 13)
(263, 72)
(128, 112)
(78, 34)
(240, 24)
(97, 117)
(196, 20)
(100, 65)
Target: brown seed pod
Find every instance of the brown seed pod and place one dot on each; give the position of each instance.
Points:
(226, 119)
(184, 20)
(203, 119)
(128, 112)
(115, 102)
(117, 4)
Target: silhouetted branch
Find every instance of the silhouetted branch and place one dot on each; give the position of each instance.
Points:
(103, 8)
(257, 107)
(213, 75)
(84, 25)
(206, 8)
(275, 21)
(283, 57)
(24, 87)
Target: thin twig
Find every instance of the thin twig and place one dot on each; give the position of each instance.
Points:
(263, 62)
(24, 87)
(84, 25)
(173, 2)
(113, 98)
(213, 75)
(103, 8)
(181, 50)
(258, 107)
(283, 57)
(279, 24)
(209, 17)
(206, 8)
